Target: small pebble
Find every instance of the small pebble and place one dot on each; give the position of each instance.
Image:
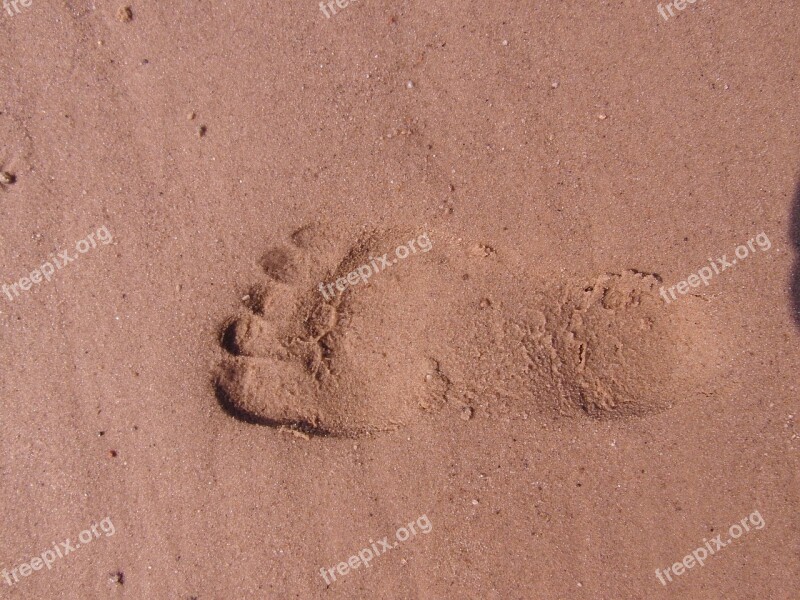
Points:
(466, 413)
(201, 132)
(602, 117)
(554, 85)
(7, 178)
(125, 14)
(409, 84)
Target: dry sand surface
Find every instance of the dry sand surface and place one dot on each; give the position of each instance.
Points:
(402, 300)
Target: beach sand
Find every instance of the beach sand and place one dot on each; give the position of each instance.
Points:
(562, 388)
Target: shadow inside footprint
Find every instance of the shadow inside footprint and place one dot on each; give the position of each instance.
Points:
(794, 234)
(232, 408)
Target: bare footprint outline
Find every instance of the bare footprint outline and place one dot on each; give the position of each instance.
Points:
(421, 336)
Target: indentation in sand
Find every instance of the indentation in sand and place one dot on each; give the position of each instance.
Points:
(422, 335)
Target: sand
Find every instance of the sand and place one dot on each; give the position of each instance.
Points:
(431, 301)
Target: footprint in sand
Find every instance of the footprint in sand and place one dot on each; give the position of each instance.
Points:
(447, 326)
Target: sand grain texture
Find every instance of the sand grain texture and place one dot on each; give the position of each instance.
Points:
(522, 384)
